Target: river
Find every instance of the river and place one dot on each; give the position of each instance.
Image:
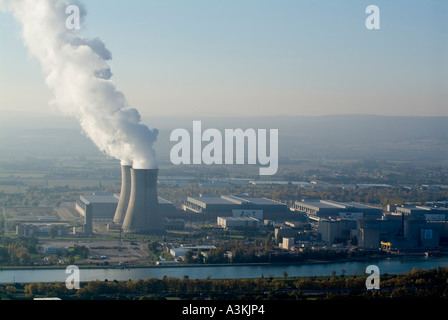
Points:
(392, 265)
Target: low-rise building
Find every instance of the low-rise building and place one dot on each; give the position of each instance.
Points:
(235, 222)
(43, 230)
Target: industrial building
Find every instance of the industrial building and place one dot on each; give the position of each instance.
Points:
(427, 212)
(258, 214)
(413, 227)
(400, 232)
(212, 206)
(335, 230)
(337, 221)
(238, 222)
(335, 209)
(368, 234)
(104, 206)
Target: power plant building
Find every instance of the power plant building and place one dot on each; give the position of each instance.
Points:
(104, 206)
(427, 212)
(334, 230)
(213, 206)
(336, 209)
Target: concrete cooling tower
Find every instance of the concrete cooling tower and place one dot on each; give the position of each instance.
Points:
(125, 193)
(142, 215)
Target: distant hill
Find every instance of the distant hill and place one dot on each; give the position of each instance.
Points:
(339, 136)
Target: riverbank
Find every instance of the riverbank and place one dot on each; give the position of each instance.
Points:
(371, 258)
(224, 271)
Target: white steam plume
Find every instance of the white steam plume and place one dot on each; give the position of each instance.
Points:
(77, 72)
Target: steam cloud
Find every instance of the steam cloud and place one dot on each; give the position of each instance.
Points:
(77, 72)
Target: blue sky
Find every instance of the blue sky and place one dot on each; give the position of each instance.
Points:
(255, 57)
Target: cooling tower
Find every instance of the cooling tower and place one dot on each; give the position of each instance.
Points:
(142, 215)
(125, 193)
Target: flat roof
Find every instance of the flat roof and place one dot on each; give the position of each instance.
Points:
(103, 198)
(233, 199)
(240, 218)
(263, 201)
(212, 200)
(163, 201)
(316, 203)
(110, 198)
(262, 182)
(330, 204)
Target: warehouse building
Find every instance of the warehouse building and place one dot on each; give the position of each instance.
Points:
(103, 206)
(212, 206)
(336, 209)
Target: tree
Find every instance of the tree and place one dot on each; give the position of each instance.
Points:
(4, 255)
(30, 289)
(268, 242)
(200, 257)
(10, 290)
(216, 256)
(25, 258)
(153, 246)
(82, 251)
(188, 257)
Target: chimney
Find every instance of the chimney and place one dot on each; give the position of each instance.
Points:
(142, 215)
(124, 194)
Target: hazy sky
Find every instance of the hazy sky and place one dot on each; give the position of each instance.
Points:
(255, 57)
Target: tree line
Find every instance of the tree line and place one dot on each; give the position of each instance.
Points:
(240, 254)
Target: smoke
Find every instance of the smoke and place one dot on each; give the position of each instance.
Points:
(77, 72)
